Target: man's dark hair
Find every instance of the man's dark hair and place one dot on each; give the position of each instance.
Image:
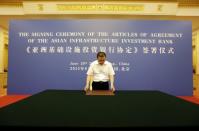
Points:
(101, 54)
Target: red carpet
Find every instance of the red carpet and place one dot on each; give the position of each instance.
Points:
(6, 100)
(190, 99)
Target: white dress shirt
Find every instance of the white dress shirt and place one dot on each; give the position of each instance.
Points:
(100, 72)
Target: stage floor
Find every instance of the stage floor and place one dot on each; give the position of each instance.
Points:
(54, 108)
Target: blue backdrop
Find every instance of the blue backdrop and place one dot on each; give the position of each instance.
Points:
(55, 54)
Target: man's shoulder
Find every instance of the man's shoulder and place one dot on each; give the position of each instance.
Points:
(108, 63)
(94, 62)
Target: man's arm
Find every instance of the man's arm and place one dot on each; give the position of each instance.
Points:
(112, 82)
(89, 81)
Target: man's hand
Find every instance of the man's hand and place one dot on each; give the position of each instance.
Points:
(86, 88)
(113, 88)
